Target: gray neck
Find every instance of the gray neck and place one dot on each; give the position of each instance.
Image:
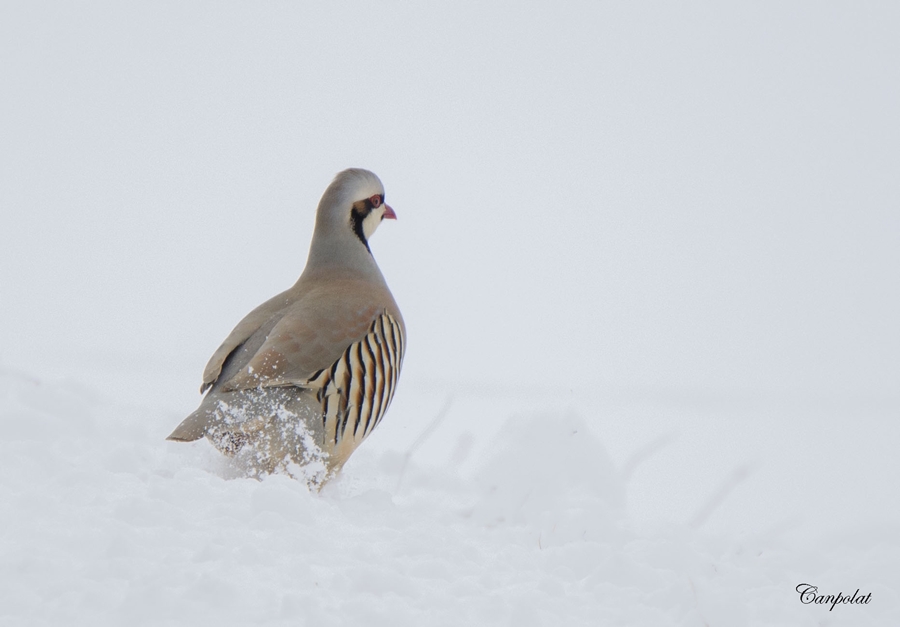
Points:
(340, 252)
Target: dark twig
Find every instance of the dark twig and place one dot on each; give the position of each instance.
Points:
(426, 433)
(738, 475)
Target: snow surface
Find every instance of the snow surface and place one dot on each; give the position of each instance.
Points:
(104, 523)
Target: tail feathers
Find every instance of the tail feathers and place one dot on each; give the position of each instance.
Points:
(192, 428)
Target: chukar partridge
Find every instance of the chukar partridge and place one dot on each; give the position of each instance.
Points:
(305, 377)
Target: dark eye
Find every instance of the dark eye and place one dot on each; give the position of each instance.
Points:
(375, 200)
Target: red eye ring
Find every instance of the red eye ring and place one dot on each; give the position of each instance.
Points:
(375, 200)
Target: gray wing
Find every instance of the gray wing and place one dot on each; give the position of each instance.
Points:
(266, 315)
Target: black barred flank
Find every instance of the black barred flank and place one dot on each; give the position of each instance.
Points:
(357, 390)
(367, 397)
(373, 397)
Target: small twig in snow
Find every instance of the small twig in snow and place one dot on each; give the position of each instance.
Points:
(426, 433)
(737, 476)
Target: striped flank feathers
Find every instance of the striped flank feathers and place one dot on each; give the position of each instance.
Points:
(357, 390)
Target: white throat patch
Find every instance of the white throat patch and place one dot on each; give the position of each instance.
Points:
(371, 221)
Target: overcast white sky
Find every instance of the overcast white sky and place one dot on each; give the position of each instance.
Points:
(696, 198)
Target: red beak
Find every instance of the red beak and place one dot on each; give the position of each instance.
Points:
(389, 213)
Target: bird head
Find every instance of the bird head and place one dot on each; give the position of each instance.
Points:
(353, 204)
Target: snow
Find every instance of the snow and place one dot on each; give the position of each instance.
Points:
(106, 523)
(647, 259)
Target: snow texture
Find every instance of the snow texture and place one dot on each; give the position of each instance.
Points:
(107, 524)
